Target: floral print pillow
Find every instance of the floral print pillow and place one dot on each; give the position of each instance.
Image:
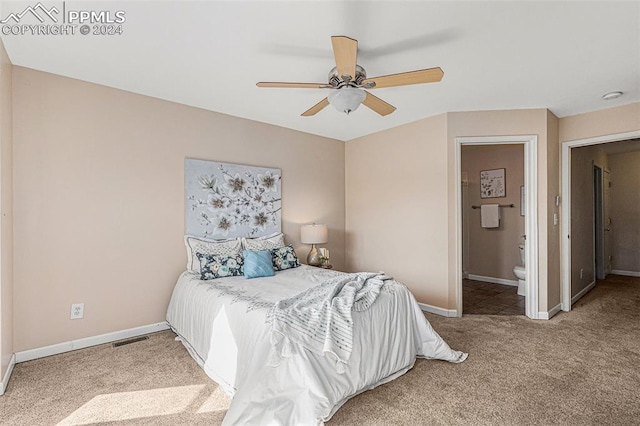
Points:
(284, 258)
(214, 266)
(205, 246)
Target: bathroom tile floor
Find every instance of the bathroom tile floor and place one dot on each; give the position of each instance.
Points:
(482, 298)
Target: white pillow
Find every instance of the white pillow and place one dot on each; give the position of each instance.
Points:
(205, 246)
(264, 243)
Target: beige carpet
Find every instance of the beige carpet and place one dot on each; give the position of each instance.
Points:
(580, 368)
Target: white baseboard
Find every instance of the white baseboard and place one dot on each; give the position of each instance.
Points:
(7, 374)
(438, 311)
(73, 345)
(551, 313)
(582, 292)
(625, 273)
(493, 280)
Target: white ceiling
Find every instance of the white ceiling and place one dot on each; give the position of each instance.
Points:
(495, 55)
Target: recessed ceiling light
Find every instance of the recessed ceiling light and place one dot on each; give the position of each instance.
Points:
(611, 95)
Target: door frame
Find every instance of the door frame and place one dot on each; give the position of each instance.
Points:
(565, 229)
(598, 222)
(530, 143)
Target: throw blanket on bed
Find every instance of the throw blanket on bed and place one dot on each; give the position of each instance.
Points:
(320, 320)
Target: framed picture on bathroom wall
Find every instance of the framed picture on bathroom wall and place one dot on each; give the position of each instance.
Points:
(493, 184)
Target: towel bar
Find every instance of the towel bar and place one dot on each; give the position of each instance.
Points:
(499, 205)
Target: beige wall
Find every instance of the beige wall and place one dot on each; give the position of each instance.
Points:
(493, 252)
(625, 211)
(396, 198)
(505, 123)
(582, 214)
(401, 204)
(99, 199)
(6, 212)
(606, 122)
(610, 121)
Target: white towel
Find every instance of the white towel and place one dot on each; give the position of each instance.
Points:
(490, 215)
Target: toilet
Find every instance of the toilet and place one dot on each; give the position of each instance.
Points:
(520, 272)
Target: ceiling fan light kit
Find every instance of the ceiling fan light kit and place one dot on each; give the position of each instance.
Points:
(347, 99)
(347, 80)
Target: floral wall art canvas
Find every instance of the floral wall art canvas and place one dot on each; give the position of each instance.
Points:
(231, 200)
(492, 183)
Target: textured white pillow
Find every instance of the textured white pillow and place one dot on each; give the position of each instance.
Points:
(205, 246)
(264, 243)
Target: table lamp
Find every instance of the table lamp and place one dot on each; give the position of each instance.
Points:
(314, 234)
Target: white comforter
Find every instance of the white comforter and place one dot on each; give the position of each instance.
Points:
(223, 324)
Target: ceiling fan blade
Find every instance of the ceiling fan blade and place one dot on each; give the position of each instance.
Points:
(316, 108)
(345, 51)
(293, 85)
(378, 105)
(430, 75)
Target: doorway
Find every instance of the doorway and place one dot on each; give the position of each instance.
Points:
(602, 247)
(530, 197)
(491, 250)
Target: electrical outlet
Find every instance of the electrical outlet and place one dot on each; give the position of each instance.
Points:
(581, 273)
(77, 311)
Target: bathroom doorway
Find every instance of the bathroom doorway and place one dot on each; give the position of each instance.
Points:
(509, 200)
(492, 252)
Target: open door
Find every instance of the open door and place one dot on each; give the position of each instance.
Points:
(602, 221)
(598, 222)
(606, 208)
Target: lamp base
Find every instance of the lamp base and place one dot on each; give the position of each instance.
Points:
(313, 258)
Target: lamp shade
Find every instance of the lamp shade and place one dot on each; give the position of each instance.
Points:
(347, 99)
(314, 234)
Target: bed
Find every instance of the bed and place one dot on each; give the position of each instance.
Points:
(227, 325)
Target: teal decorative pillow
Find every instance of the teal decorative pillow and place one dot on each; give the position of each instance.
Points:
(214, 266)
(284, 258)
(257, 264)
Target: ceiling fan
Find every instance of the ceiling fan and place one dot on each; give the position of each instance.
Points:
(348, 81)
